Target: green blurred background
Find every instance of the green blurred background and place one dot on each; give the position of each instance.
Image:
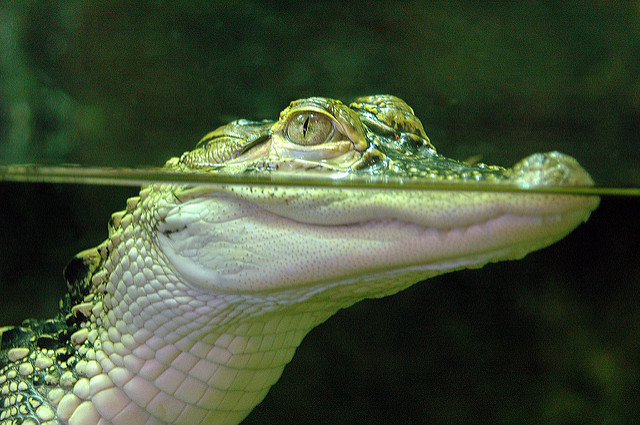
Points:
(554, 338)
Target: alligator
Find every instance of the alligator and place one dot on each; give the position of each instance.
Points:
(190, 309)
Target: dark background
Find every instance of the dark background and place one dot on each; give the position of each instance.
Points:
(554, 338)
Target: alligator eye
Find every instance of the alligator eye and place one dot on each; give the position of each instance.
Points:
(308, 128)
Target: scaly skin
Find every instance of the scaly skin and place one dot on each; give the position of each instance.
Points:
(189, 311)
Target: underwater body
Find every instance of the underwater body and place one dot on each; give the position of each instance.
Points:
(577, 297)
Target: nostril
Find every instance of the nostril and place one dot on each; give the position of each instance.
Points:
(550, 169)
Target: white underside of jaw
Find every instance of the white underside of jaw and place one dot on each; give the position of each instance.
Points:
(235, 247)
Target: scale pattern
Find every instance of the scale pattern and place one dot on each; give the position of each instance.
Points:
(42, 360)
(189, 311)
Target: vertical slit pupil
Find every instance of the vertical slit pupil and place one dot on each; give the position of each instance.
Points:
(305, 127)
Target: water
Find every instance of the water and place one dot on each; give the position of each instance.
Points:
(552, 335)
(114, 176)
(551, 338)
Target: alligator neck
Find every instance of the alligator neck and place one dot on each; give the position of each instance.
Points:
(180, 354)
